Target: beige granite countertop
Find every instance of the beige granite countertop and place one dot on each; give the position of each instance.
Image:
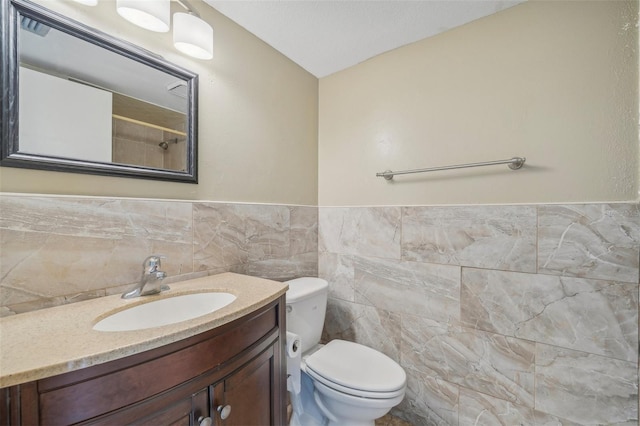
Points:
(52, 341)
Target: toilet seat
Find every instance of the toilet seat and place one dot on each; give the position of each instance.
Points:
(358, 401)
(351, 391)
(356, 370)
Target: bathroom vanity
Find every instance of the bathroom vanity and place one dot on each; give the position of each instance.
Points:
(223, 368)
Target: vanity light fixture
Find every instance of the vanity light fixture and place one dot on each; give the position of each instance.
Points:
(191, 34)
(153, 15)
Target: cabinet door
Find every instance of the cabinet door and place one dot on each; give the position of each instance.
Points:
(248, 392)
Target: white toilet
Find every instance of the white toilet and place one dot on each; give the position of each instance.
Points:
(343, 383)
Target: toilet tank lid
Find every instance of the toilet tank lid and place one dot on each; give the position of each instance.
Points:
(304, 287)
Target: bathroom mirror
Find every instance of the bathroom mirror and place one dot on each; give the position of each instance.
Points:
(78, 100)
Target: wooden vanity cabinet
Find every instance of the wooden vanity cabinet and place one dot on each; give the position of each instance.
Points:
(240, 365)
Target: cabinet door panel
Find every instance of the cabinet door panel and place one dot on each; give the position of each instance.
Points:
(248, 393)
(200, 405)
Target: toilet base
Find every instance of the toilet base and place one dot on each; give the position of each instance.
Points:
(305, 409)
(346, 410)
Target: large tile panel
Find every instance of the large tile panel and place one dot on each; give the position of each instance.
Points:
(489, 363)
(591, 241)
(338, 271)
(546, 419)
(376, 328)
(595, 316)
(54, 247)
(227, 235)
(496, 237)
(363, 231)
(584, 388)
(300, 265)
(481, 409)
(304, 229)
(416, 288)
(428, 401)
(98, 218)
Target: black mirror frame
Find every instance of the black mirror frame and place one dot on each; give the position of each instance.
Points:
(9, 155)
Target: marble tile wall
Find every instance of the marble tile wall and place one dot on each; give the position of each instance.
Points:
(57, 250)
(501, 315)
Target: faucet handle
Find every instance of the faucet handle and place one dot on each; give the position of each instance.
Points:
(153, 263)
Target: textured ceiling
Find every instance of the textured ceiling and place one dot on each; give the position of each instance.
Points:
(325, 36)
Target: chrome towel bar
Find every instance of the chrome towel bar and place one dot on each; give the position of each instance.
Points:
(514, 164)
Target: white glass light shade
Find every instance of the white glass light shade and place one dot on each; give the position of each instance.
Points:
(192, 36)
(154, 15)
(87, 2)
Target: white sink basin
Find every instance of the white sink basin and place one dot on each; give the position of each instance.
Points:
(165, 311)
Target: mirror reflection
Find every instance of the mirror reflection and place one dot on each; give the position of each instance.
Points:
(96, 104)
(80, 101)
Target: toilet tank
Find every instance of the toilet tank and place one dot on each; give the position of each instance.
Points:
(306, 307)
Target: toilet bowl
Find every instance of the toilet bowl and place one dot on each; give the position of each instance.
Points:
(342, 409)
(352, 384)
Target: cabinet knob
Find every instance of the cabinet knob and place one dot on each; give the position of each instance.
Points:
(205, 421)
(224, 411)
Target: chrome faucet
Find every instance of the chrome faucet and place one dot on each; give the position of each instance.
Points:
(151, 280)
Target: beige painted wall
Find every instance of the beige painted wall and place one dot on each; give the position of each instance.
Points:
(258, 117)
(553, 81)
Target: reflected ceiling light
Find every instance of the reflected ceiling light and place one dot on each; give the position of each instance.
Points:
(154, 15)
(87, 2)
(192, 36)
